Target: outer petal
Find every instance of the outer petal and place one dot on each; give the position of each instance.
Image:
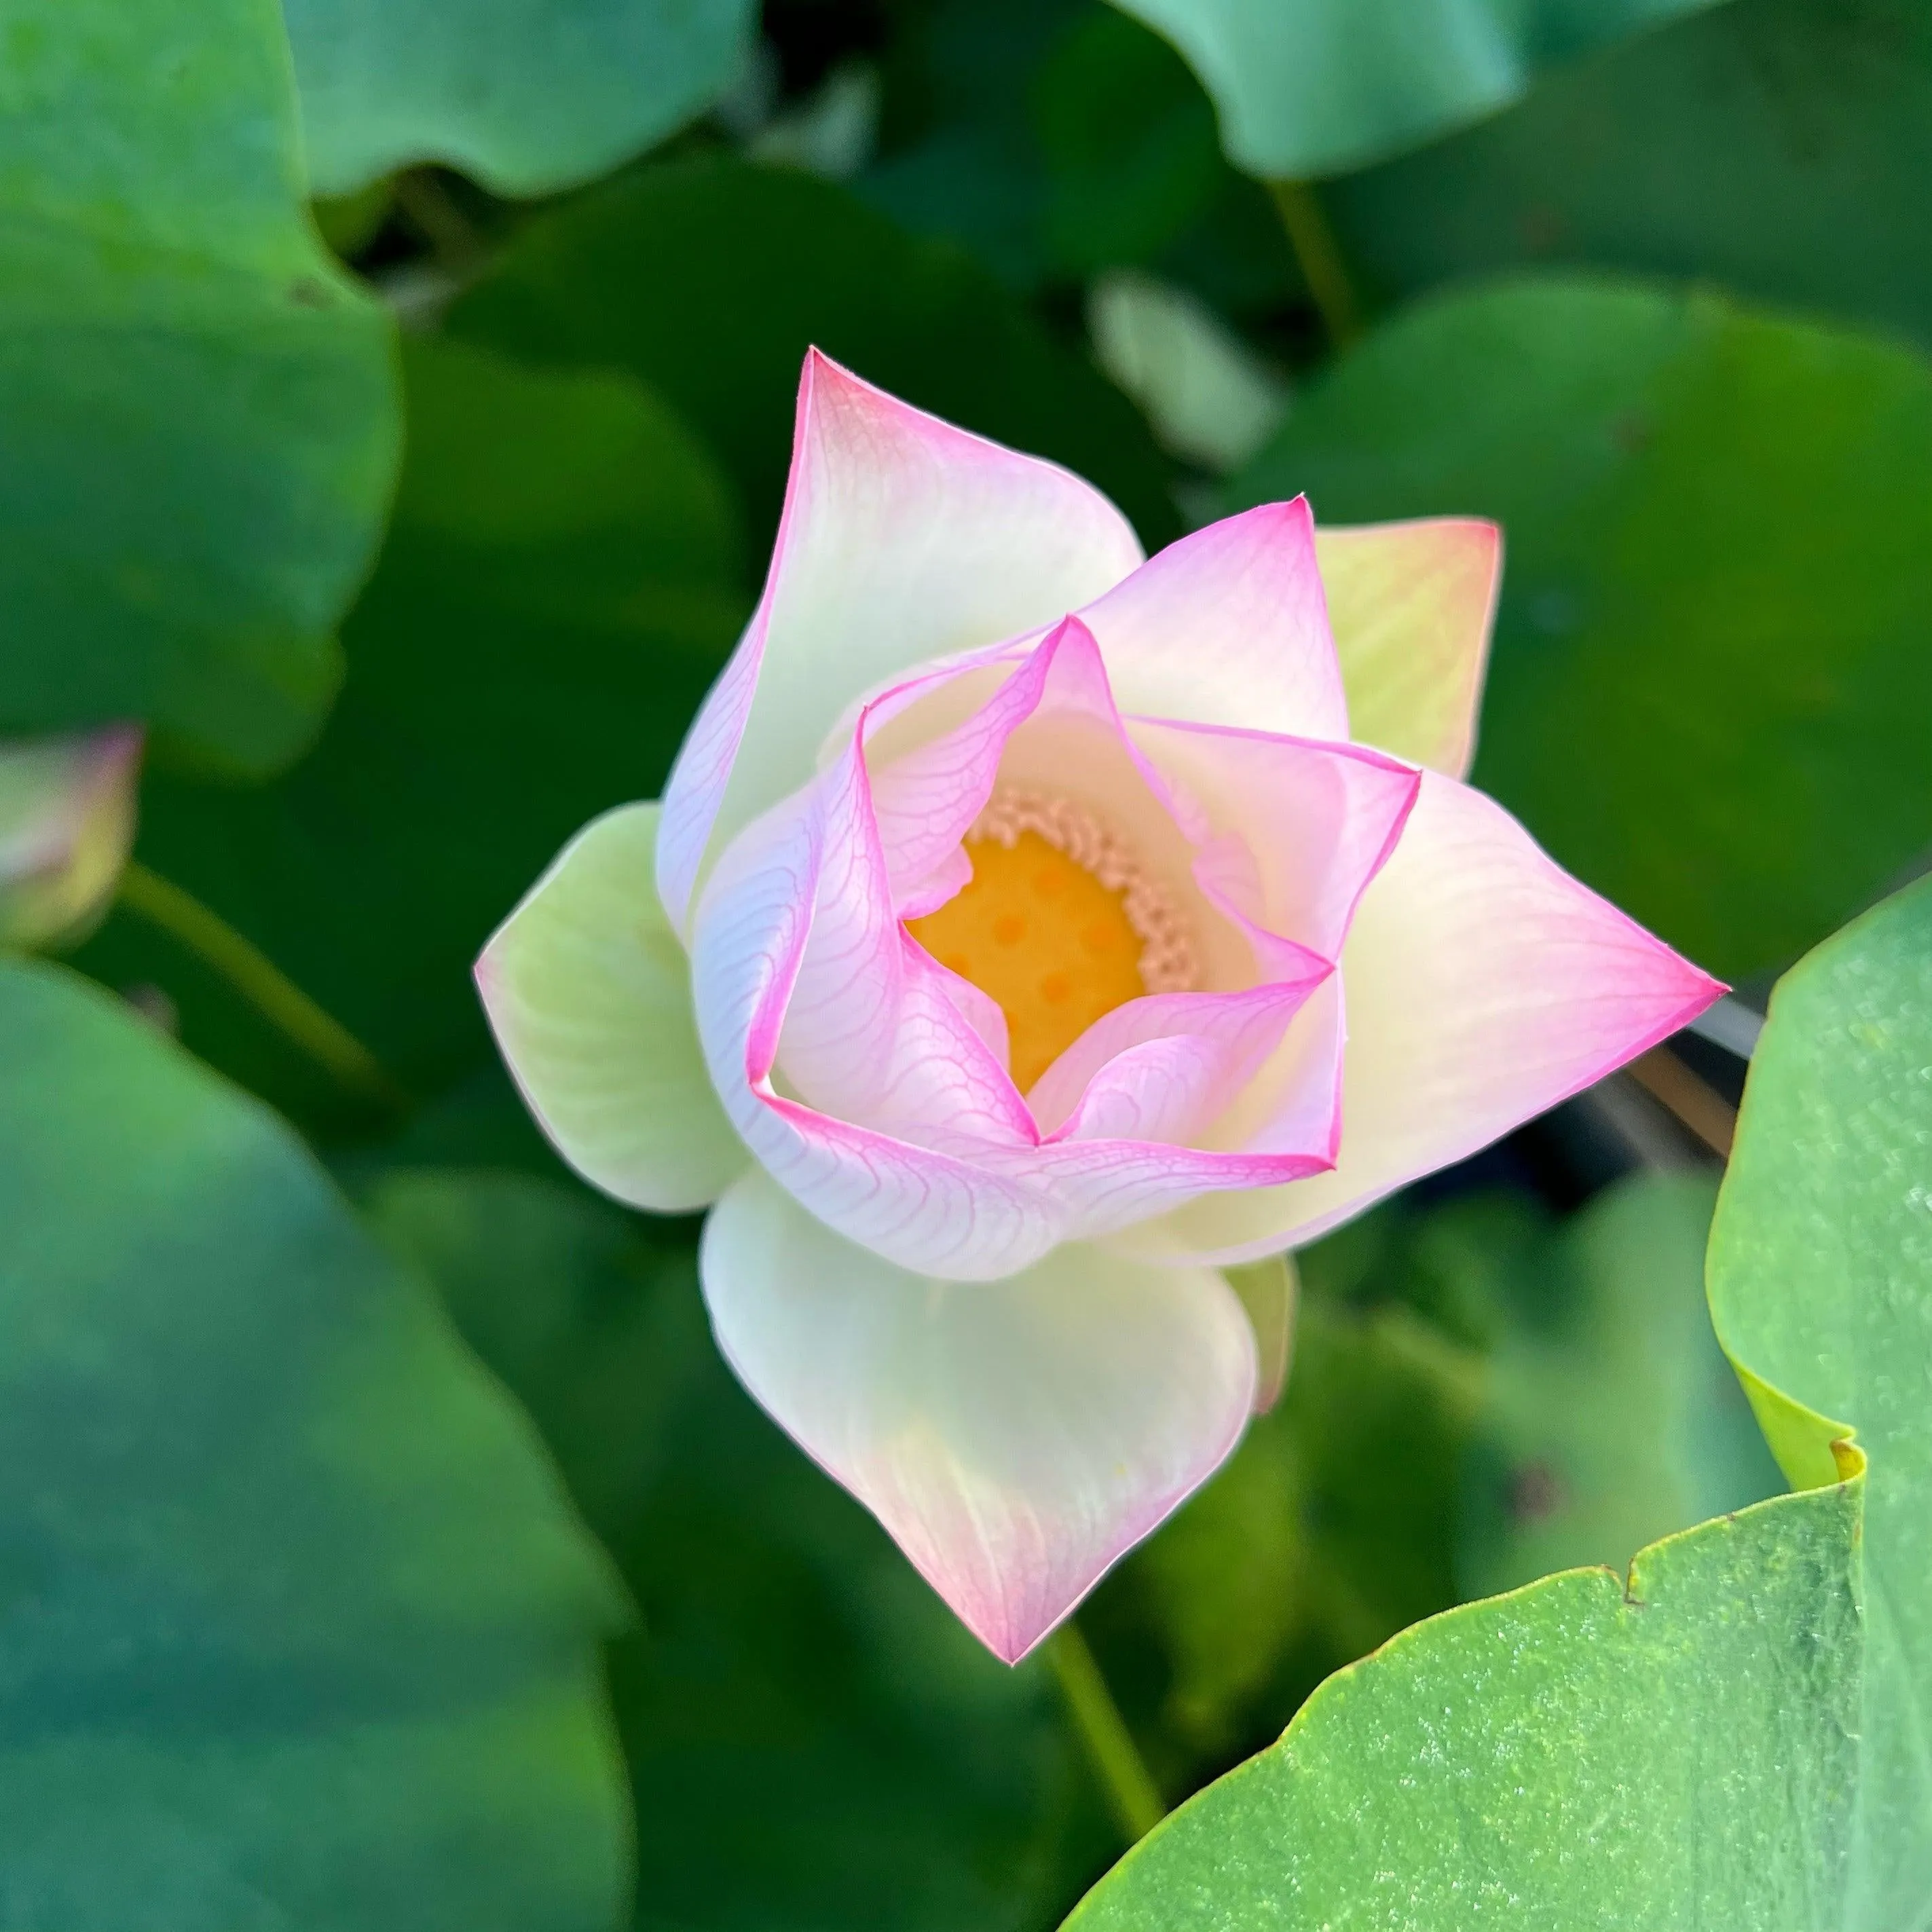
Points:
(1015, 1437)
(1484, 984)
(903, 539)
(66, 821)
(1269, 1290)
(589, 992)
(1412, 605)
(1228, 626)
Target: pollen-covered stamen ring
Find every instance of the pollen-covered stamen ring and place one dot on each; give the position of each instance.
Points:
(1059, 925)
(1167, 962)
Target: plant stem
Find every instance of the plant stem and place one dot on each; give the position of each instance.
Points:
(260, 981)
(1701, 1108)
(427, 206)
(1313, 242)
(1131, 1791)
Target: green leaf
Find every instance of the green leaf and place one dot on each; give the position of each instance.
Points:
(1128, 141)
(1611, 1417)
(201, 424)
(971, 170)
(814, 1741)
(563, 581)
(1321, 86)
(1715, 641)
(526, 95)
(1781, 148)
(299, 1629)
(765, 263)
(1681, 1754)
(1053, 137)
(1820, 1274)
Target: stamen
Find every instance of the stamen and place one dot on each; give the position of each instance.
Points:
(1167, 961)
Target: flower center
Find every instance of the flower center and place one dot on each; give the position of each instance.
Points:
(1058, 925)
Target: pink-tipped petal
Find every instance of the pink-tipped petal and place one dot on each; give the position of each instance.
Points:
(1164, 1067)
(588, 992)
(1284, 1126)
(1015, 1437)
(926, 798)
(1311, 822)
(67, 823)
(1412, 605)
(1484, 984)
(903, 539)
(925, 1208)
(872, 1030)
(1229, 626)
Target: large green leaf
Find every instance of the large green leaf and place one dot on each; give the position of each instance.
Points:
(1677, 1753)
(1054, 137)
(1715, 649)
(1821, 1285)
(526, 95)
(1611, 1417)
(1783, 148)
(710, 278)
(298, 1628)
(814, 1741)
(1313, 87)
(200, 423)
(562, 583)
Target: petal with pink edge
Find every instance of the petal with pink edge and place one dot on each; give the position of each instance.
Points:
(1412, 605)
(1312, 824)
(923, 1206)
(67, 821)
(1484, 984)
(589, 992)
(1014, 1437)
(1228, 626)
(903, 539)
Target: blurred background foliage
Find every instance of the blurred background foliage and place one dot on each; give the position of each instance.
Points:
(418, 548)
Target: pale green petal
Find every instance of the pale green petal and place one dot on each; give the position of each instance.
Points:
(589, 990)
(1411, 605)
(1269, 1291)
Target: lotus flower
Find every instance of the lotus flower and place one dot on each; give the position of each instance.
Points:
(1023, 939)
(67, 821)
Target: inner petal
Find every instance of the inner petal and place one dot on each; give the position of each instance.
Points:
(1058, 926)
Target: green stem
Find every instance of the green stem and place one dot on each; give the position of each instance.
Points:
(1131, 1791)
(260, 981)
(427, 207)
(1313, 242)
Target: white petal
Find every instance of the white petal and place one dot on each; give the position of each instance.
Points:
(1229, 626)
(903, 539)
(1015, 1437)
(1484, 985)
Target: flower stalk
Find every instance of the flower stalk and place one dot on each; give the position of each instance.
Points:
(1319, 257)
(261, 982)
(1131, 1794)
